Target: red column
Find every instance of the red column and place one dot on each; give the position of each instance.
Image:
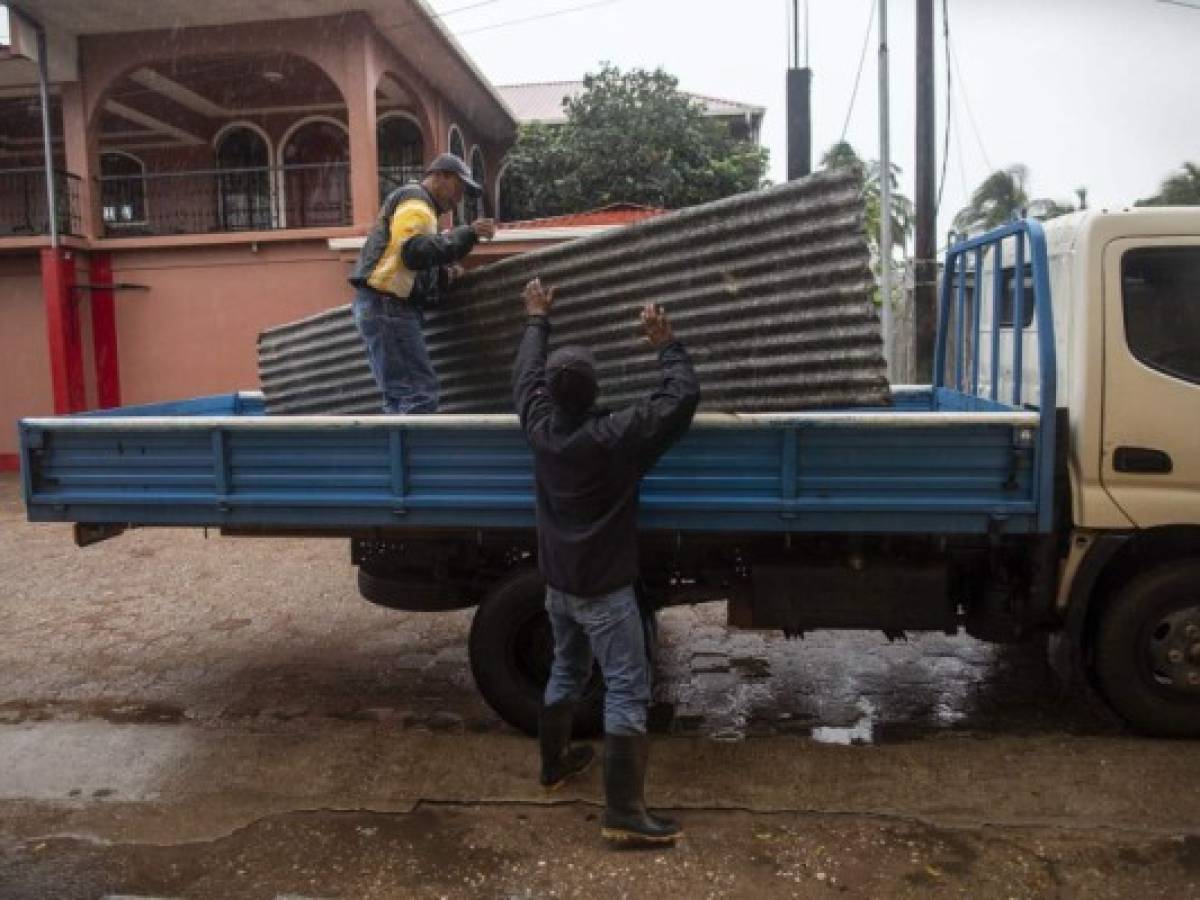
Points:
(104, 332)
(62, 330)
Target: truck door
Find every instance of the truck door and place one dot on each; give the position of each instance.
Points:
(1150, 462)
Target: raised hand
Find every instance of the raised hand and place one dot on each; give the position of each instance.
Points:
(657, 325)
(538, 299)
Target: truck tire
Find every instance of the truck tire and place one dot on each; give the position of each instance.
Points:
(511, 649)
(1146, 654)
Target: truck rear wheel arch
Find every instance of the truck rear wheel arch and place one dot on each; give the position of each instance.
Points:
(510, 650)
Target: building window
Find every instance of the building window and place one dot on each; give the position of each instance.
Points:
(401, 153)
(244, 195)
(316, 173)
(1160, 287)
(122, 189)
(474, 205)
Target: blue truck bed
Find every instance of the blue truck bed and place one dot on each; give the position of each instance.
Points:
(937, 461)
(944, 459)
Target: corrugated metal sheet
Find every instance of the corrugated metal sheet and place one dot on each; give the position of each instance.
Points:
(770, 291)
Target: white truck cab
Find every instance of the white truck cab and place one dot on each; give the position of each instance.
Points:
(1125, 288)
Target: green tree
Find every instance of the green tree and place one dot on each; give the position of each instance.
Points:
(1179, 189)
(630, 137)
(1000, 197)
(1004, 195)
(843, 156)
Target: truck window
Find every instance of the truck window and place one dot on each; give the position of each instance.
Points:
(1009, 300)
(1160, 289)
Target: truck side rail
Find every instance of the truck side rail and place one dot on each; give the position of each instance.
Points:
(1023, 241)
(914, 467)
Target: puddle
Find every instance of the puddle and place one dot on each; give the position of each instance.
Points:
(861, 732)
(142, 714)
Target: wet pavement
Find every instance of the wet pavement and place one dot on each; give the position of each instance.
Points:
(208, 717)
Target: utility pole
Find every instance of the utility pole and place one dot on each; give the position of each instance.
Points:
(925, 226)
(799, 101)
(885, 189)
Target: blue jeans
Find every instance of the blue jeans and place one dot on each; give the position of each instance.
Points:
(391, 329)
(610, 628)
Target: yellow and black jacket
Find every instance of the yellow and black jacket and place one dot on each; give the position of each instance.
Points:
(404, 255)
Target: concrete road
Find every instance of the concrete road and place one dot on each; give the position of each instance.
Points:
(183, 716)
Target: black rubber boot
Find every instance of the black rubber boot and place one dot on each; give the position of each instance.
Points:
(559, 759)
(625, 815)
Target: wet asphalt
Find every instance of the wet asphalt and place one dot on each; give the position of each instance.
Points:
(192, 716)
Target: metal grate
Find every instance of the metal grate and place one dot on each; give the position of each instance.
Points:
(770, 291)
(23, 202)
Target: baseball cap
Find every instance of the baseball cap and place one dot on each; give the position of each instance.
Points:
(448, 162)
(571, 378)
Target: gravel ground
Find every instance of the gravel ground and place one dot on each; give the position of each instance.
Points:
(192, 716)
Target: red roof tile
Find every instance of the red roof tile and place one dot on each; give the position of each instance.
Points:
(613, 214)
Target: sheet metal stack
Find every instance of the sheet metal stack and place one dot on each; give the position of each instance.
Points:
(770, 291)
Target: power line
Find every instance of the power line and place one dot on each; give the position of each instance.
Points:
(967, 104)
(538, 17)
(1181, 3)
(862, 60)
(458, 9)
(962, 170)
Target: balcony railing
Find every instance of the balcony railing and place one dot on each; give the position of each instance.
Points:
(23, 202)
(226, 200)
(193, 202)
(392, 177)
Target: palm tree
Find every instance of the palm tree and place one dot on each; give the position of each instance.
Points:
(843, 156)
(1180, 189)
(1047, 208)
(1000, 197)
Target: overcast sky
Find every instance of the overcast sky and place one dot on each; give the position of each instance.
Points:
(1101, 93)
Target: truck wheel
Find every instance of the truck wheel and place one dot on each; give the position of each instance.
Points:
(511, 648)
(1147, 651)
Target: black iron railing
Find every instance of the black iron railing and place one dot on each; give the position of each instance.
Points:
(392, 177)
(23, 202)
(226, 200)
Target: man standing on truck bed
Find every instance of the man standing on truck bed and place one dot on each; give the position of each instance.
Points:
(588, 464)
(404, 267)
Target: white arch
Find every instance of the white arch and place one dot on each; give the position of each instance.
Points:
(307, 120)
(470, 160)
(450, 139)
(280, 180)
(410, 117)
(113, 152)
(242, 123)
(497, 181)
(274, 182)
(461, 209)
(145, 194)
(402, 114)
(476, 149)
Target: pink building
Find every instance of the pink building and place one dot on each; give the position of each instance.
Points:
(212, 172)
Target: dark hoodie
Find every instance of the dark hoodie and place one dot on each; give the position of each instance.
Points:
(589, 466)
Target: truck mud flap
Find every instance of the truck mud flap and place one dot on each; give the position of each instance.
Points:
(88, 533)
